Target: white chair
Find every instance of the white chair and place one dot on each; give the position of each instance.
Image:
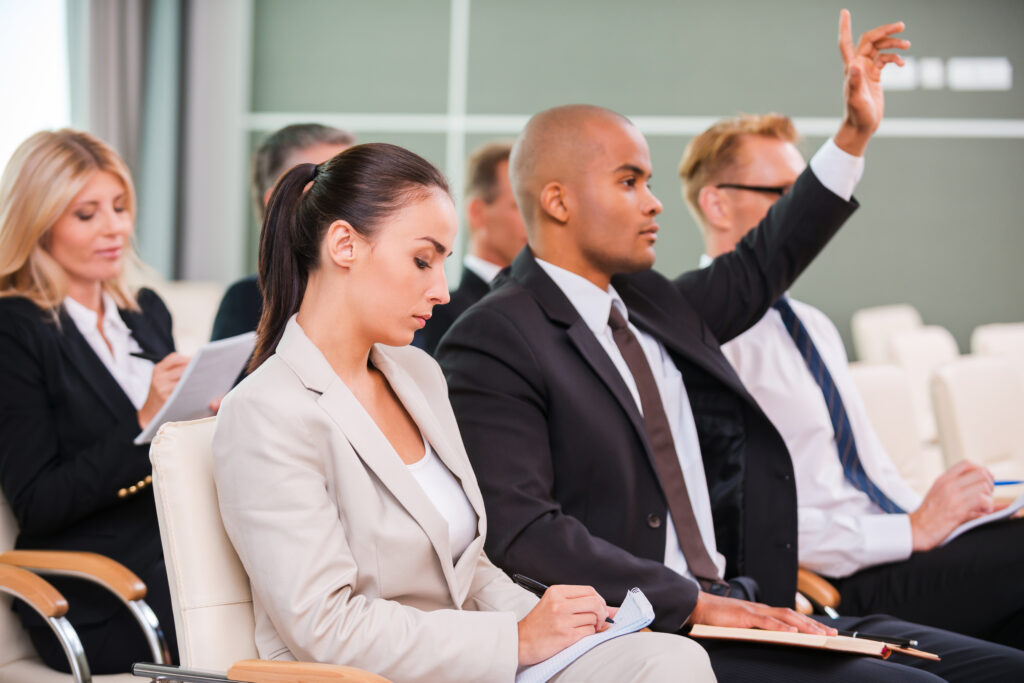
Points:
(920, 352)
(18, 660)
(1005, 340)
(979, 403)
(887, 399)
(193, 306)
(210, 593)
(873, 326)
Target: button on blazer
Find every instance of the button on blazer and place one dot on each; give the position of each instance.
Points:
(348, 559)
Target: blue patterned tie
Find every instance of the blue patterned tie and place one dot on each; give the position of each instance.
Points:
(845, 445)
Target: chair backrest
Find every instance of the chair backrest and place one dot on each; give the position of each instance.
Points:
(885, 391)
(193, 306)
(14, 642)
(920, 352)
(1005, 340)
(979, 403)
(873, 326)
(210, 592)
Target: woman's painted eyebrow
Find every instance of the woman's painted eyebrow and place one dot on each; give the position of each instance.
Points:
(437, 245)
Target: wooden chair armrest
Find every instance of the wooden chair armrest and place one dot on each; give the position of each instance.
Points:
(270, 671)
(34, 590)
(814, 587)
(100, 569)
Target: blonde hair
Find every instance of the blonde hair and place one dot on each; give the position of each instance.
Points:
(43, 176)
(716, 150)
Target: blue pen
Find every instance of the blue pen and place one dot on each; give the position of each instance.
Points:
(1009, 482)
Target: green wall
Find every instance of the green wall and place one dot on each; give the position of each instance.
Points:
(939, 226)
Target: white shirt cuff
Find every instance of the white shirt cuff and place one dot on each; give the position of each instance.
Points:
(887, 538)
(836, 170)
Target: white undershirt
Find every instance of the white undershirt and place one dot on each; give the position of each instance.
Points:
(132, 374)
(445, 492)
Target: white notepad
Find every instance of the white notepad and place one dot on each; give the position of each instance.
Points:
(634, 614)
(210, 374)
(1005, 513)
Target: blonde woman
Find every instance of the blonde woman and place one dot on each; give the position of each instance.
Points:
(74, 397)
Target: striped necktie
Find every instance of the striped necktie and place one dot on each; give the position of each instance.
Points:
(845, 444)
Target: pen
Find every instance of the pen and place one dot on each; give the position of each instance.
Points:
(538, 588)
(1009, 482)
(898, 642)
(146, 355)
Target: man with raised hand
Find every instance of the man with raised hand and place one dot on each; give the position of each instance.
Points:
(603, 421)
(859, 523)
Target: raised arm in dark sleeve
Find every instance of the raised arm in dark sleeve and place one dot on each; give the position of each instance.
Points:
(736, 290)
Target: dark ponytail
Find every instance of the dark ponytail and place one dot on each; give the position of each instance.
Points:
(363, 186)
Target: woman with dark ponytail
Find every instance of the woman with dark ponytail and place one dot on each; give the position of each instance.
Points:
(342, 479)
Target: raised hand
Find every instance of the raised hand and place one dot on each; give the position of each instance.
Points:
(862, 88)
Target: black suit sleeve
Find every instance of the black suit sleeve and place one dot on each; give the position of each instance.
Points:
(239, 311)
(497, 390)
(49, 486)
(736, 290)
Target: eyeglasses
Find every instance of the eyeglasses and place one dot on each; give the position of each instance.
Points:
(779, 190)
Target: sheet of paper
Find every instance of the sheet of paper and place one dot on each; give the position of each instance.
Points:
(1005, 513)
(210, 374)
(636, 613)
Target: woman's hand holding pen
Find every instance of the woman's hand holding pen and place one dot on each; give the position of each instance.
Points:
(564, 615)
(166, 374)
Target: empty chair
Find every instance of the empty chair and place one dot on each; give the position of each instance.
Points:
(872, 328)
(886, 394)
(979, 404)
(1005, 340)
(919, 352)
(193, 306)
(210, 592)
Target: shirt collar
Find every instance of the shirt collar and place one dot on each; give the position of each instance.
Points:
(485, 270)
(85, 318)
(705, 260)
(590, 301)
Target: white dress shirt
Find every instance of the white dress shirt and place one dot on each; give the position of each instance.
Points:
(485, 270)
(840, 529)
(133, 374)
(447, 495)
(594, 306)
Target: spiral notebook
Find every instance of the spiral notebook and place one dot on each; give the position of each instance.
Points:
(634, 614)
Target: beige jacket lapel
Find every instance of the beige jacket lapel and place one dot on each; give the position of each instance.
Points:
(373, 448)
(451, 454)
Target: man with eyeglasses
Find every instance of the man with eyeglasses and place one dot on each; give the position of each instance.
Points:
(859, 523)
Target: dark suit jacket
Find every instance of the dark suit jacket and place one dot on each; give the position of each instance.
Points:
(66, 431)
(239, 310)
(559, 446)
(471, 289)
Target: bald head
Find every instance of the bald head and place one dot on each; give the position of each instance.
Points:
(556, 145)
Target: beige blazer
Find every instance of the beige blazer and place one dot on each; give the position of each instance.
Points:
(348, 559)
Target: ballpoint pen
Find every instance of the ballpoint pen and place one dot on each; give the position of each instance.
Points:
(538, 588)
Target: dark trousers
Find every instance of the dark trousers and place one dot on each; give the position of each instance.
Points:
(963, 658)
(973, 586)
(112, 646)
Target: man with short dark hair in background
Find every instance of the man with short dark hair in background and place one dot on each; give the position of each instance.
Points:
(859, 523)
(496, 235)
(299, 143)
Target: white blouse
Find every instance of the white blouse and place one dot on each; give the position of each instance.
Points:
(445, 492)
(133, 374)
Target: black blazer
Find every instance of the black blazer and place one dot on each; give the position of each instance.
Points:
(559, 446)
(239, 311)
(66, 431)
(471, 289)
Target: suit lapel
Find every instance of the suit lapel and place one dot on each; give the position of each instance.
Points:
(84, 359)
(369, 442)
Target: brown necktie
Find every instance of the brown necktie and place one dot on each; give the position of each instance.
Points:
(666, 461)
